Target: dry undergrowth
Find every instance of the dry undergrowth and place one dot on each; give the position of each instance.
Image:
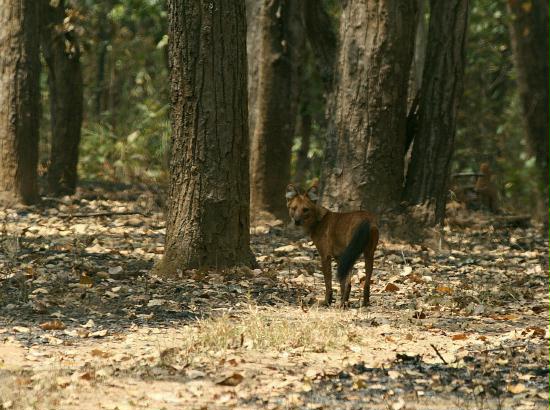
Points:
(266, 330)
(462, 324)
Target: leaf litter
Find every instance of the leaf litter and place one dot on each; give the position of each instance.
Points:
(85, 324)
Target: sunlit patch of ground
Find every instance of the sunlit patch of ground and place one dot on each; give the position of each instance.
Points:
(84, 325)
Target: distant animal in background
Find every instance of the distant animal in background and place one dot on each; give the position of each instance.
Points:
(485, 188)
(336, 235)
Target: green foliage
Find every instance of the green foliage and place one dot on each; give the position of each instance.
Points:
(126, 140)
(490, 127)
(140, 155)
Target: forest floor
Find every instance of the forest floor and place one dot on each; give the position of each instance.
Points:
(85, 325)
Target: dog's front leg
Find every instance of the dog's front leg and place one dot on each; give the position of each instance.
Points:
(327, 274)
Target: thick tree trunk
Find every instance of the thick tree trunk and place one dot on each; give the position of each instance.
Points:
(529, 35)
(19, 100)
(208, 205)
(276, 107)
(62, 54)
(364, 154)
(427, 177)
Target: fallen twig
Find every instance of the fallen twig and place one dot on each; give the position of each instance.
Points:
(439, 354)
(96, 214)
(496, 349)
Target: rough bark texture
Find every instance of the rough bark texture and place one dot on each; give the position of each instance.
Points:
(419, 58)
(529, 35)
(428, 174)
(276, 107)
(19, 100)
(208, 205)
(62, 54)
(364, 154)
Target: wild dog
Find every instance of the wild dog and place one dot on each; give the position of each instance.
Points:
(342, 236)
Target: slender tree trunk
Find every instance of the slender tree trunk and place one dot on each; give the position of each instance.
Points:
(19, 100)
(208, 205)
(529, 35)
(364, 153)
(322, 39)
(427, 177)
(302, 162)
(253, 43)
(276, 107)
(103, 45)
(415, 82)
(62, 54)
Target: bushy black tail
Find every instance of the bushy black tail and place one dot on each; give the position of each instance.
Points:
(353, 250)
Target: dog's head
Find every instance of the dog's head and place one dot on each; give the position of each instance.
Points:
(302, 208)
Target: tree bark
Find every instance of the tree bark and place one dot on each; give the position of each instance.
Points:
(302, 160)
(276, 107)
(363, 166)
(19, 100)
(428, 174)
(103, 45)
(529, 35)
(208, 205)
(253, 42)
(419, 59)
(322, 39)
(62, 54)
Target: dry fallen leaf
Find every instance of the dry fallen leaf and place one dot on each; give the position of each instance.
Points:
(99, 353)
(394, 374)
(510, 316)
(85, 281)
(52, 325)
(232, 380)
(391, 287)
(63, 381)
(516, 388)
(444, 289)
(99, 333)
(460, 336)
(21, 329)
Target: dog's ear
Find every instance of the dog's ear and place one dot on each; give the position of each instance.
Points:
(291, 192)
(313, 194)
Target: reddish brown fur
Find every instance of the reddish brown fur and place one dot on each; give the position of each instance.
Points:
(331, 232)
(486, 189)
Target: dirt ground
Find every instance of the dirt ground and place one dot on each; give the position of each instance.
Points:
(84, 324)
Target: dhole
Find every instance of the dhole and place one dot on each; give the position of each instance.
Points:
(343, 236)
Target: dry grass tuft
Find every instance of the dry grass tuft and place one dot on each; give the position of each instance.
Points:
(269, 330)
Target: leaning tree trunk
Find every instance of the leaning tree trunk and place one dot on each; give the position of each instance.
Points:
(364, 160)
(208, 205)
(276, 107)
(427, 177)
(62, 54)
(19, 100)
(529, 35)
